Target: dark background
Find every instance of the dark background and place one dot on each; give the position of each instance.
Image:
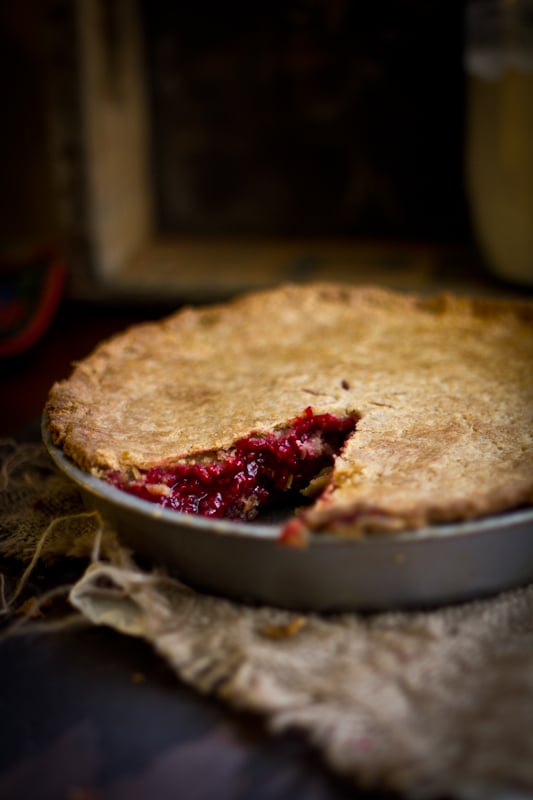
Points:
(306, 116)
(322, 117)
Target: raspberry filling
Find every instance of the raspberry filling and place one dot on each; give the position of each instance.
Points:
(260, 471)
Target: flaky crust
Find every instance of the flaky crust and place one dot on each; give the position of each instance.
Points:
(443, 387)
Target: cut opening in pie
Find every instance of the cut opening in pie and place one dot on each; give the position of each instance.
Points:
(259, 471)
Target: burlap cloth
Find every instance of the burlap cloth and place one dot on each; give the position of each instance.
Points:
(427, 703)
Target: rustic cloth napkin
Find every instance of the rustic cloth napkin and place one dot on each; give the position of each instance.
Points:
(436, 703)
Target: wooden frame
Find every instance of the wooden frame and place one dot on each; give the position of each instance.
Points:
(101, 130)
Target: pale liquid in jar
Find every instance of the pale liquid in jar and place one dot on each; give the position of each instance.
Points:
(500, 169)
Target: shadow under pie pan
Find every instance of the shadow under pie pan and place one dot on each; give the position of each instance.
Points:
(244, 561)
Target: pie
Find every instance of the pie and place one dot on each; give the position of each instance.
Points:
(360, 409)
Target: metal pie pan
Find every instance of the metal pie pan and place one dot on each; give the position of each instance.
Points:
(244, 561)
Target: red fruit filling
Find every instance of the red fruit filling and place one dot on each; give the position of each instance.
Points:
(258, 472)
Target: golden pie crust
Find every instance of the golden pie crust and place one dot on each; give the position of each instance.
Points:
(443, 387)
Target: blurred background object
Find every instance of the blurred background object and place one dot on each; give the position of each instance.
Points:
(31, 265)
(200, 149)
(187, 151)
(28, 221)
(499, 64)
(31, 288)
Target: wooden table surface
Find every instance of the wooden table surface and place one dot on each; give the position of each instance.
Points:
(92, 715)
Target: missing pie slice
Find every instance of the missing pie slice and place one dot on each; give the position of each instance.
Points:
(364, 409)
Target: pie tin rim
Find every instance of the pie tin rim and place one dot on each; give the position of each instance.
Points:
(270, 531)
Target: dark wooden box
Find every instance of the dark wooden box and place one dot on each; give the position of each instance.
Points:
(205, 148)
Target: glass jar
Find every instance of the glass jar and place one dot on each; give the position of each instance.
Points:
(499, 133)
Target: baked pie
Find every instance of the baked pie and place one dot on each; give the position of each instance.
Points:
(359, 408)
